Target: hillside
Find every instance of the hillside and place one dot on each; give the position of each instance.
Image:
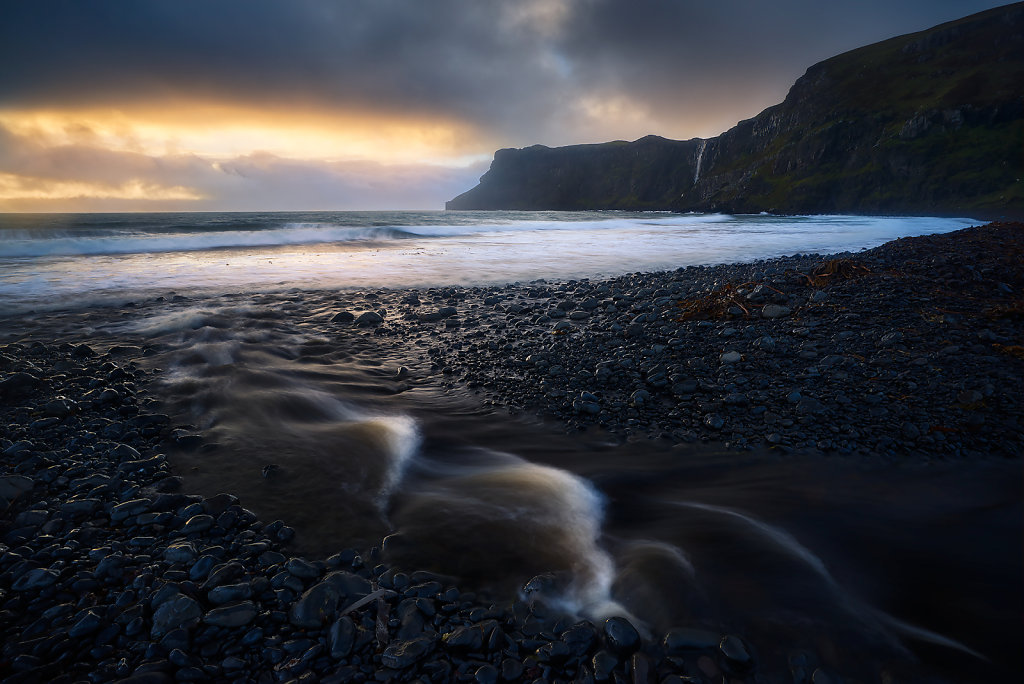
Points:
(926, 123)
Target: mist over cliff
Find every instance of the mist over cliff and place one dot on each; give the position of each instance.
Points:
(926, 123)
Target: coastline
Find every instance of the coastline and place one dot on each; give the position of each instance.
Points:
(905, 354)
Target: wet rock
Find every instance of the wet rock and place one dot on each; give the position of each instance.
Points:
(125, 510)
(402, 654)
(178, 612)
(222, 574)
(18, 384)
(511, 670)
(142, 466)
(341, 637)
(620, 635)
(774, 311)
(318, 604)
(603, 664)
(227, 593)
(198, 524)
(580, 638)
(369, 318)
(735, 651)
(640, 669)
(343, 317)
(37, 578)
(465, 638)
(486, 674)
(679, 640)
(232, 615)
(88, 623)
(61, 407)
(13, 486)
(180, 552)
(302, 568)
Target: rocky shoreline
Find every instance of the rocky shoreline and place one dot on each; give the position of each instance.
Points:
(910, 352)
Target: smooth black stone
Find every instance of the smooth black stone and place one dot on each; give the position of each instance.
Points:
(620, 635)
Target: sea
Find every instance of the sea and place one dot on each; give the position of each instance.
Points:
(59, 260)
(861, 565)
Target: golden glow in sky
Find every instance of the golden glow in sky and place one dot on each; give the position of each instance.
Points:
(14, 188)
(223, 132)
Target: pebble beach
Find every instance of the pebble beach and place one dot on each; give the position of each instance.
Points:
(908, 355)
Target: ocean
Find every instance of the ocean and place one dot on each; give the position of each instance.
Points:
(50, 261)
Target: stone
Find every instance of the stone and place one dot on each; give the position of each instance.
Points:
(88, 623)
(318, 604)
(731, 357)
(774, 311)
(125, 510)
(681, 639)
(620, 635)
(369, 318)
(603, 664)
(227, 593)
(61, 407)
(343, 317)
(178, 612)
(402, 654)
(77, 507)
(465, 638)
(36, 578)
(180, 552)
(640, 669)
(809, 405)
(714, 421)
(198, 523)
(302, 568)
(341, 637)
(735, 651)
(222, 574)
(18, 384)
(487, 674)
(232, 615)
(145, 465)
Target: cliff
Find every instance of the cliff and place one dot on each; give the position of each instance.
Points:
(927, 123)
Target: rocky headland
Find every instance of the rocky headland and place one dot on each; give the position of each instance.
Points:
(922, 124)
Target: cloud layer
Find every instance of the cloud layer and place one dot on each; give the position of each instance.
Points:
(365, 75)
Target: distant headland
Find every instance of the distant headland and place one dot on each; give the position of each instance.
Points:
(927, 123)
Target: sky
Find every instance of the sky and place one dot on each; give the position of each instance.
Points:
(260, 105)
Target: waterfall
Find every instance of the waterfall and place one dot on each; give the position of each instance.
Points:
(700, 158)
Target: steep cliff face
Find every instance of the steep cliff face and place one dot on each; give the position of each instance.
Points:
(931, 122)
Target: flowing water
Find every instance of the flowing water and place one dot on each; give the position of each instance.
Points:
(49, 260)
(866, 565)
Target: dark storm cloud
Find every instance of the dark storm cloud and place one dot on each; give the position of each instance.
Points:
(519, 68)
